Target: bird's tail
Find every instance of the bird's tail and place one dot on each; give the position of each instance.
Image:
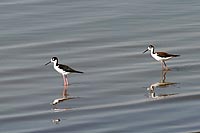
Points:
(77, 71)
(175, 55)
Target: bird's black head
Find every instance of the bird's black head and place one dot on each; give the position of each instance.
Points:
(150, 47)
(54, 60)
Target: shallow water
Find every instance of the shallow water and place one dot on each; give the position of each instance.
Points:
(105, 39)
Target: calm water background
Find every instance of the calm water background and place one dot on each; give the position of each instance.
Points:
(105, 39)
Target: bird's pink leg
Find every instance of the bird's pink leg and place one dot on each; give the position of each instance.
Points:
(65, 92)
(65, 80)
(162, 65)
(166, 68)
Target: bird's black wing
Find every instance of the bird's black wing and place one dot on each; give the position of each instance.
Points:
(68, 69)
(163, 54)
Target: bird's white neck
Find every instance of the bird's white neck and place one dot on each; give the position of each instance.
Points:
(55, 63)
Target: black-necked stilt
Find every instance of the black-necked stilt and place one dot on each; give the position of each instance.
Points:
(63, 69)
(160, 56)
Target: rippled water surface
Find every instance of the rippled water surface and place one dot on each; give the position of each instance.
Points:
(121, 90)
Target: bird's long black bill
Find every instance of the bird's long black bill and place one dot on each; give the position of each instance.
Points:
(48, 63)
(145, 51)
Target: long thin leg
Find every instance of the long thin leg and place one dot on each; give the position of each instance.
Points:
(166, 68)
(163, 76)
(65, 92)
(161, 62)
(164, 64)
(65, 80)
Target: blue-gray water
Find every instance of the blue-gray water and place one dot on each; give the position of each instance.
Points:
(105, 39)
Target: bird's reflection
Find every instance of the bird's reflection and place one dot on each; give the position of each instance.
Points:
(153, 95)
(65, 97)
(161, 84)
(56, 121)
(55, 108)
